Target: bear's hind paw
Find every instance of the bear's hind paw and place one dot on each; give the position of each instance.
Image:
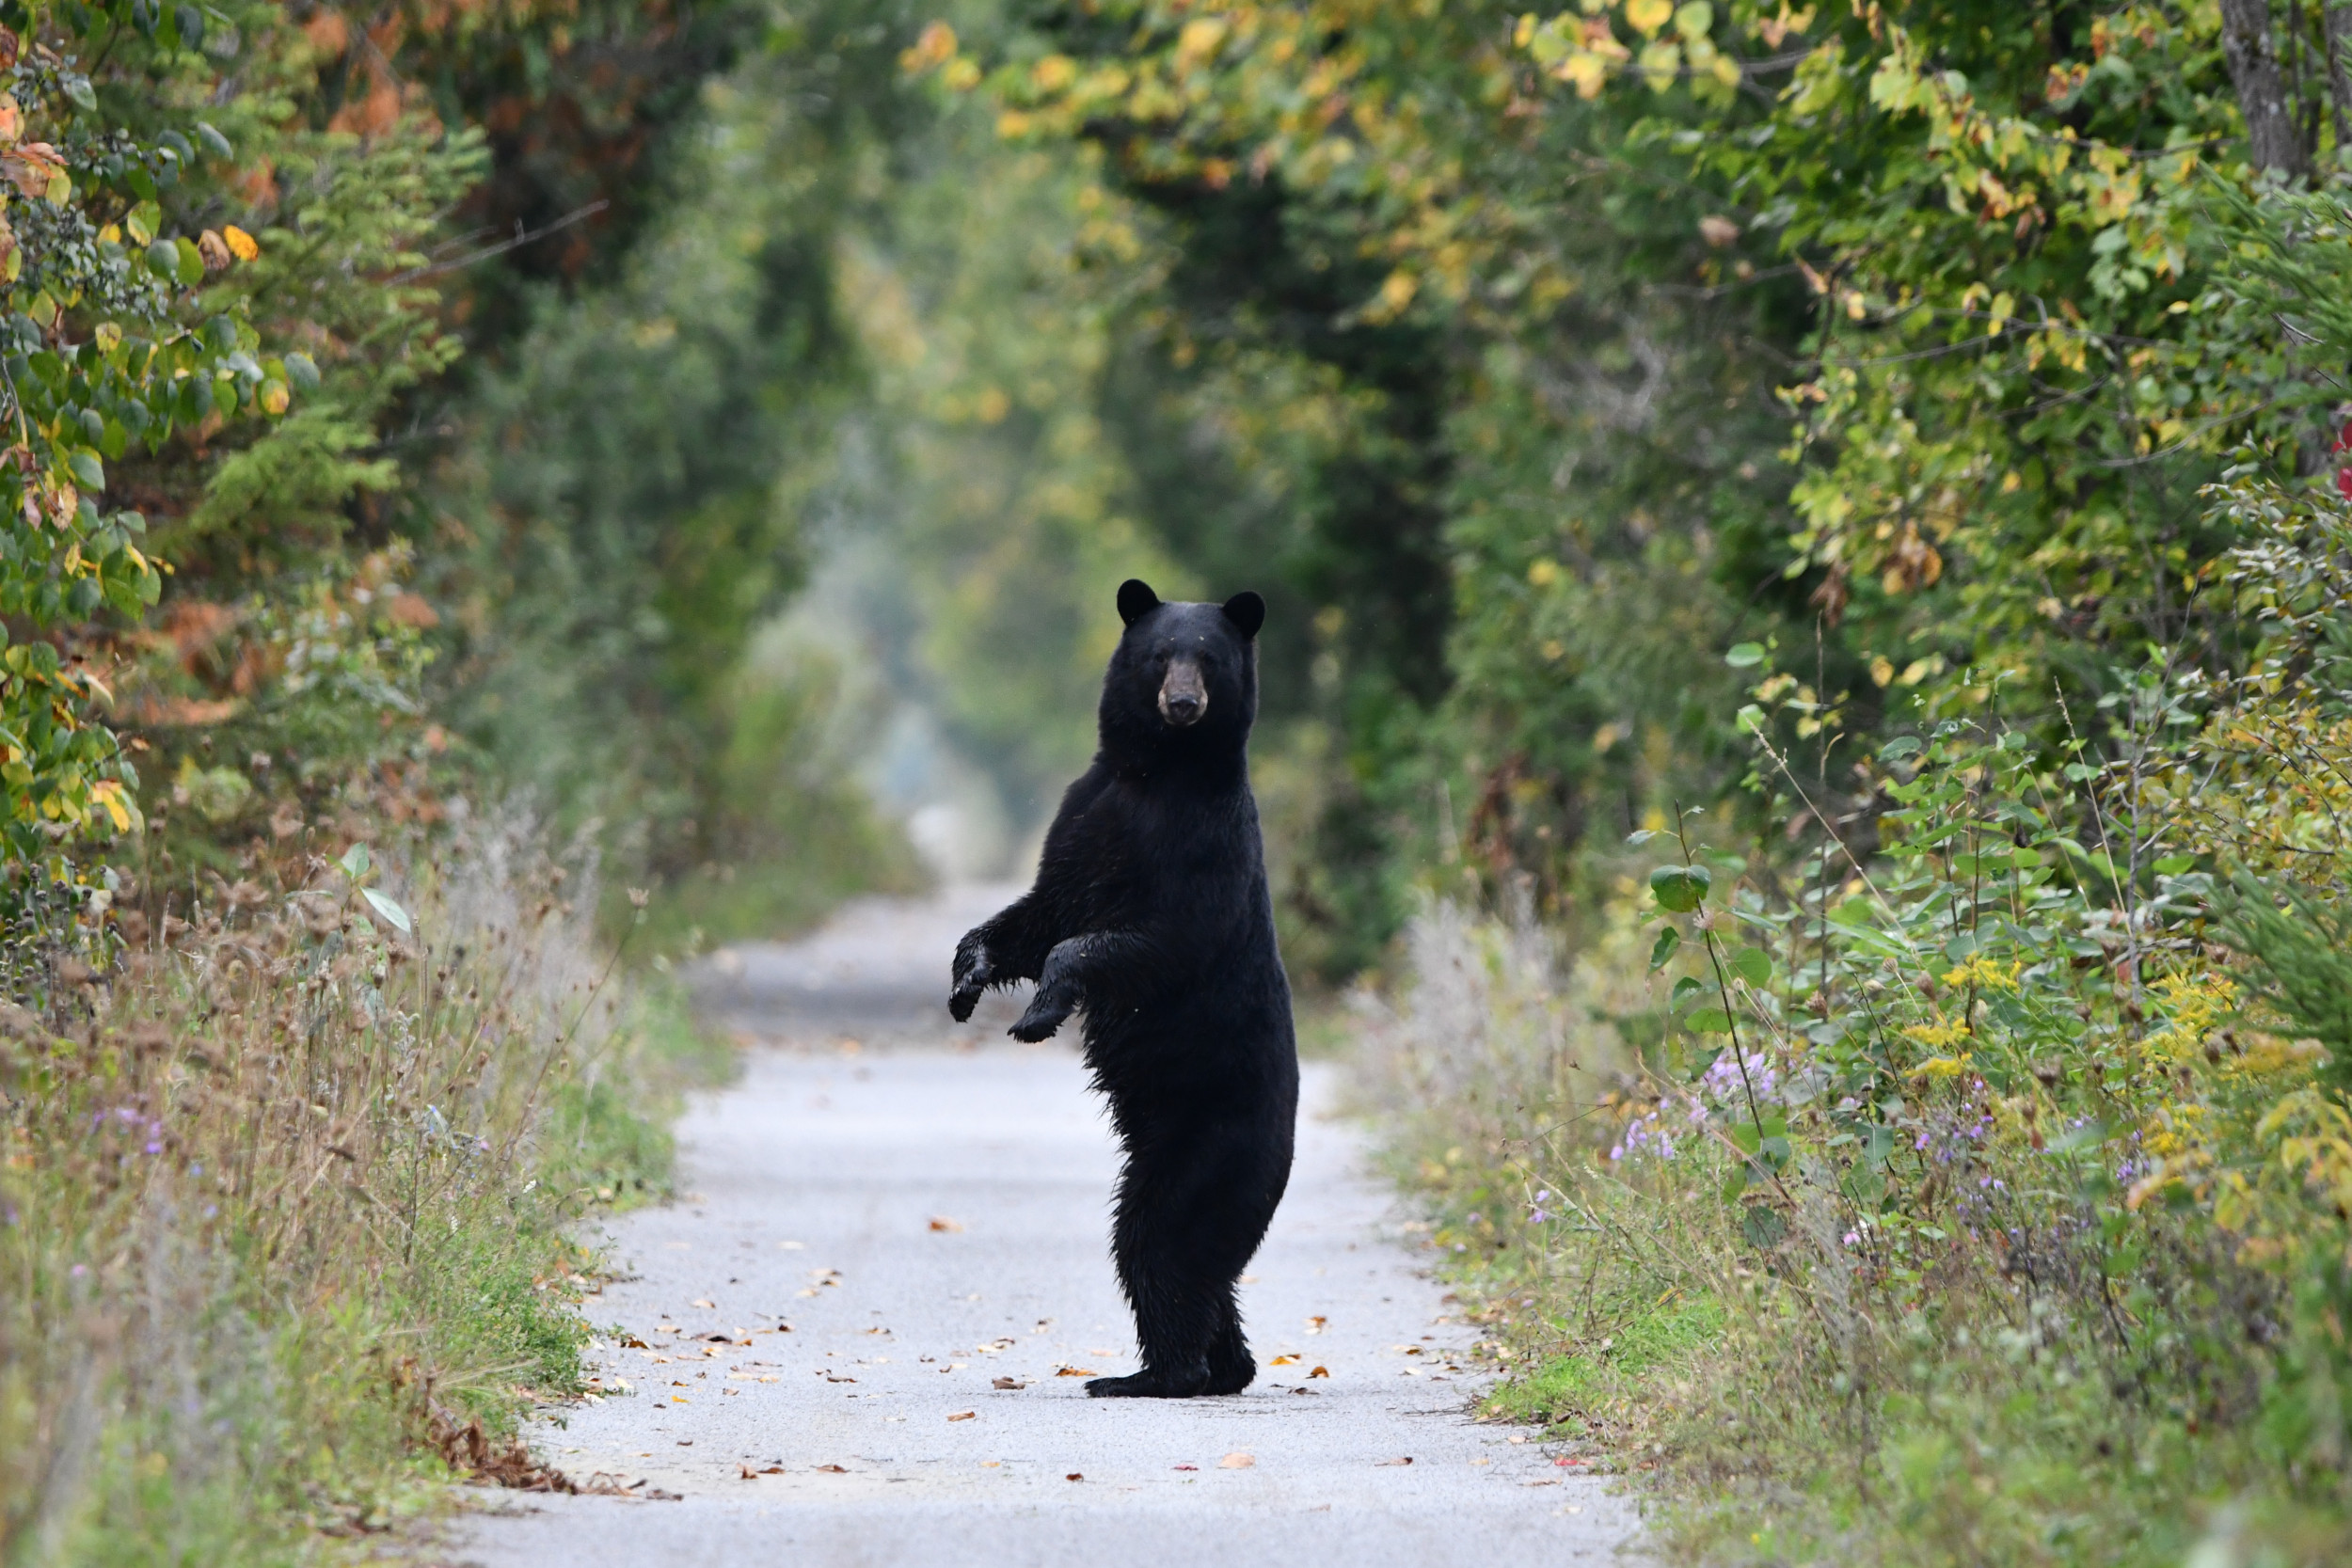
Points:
(1149, 1384)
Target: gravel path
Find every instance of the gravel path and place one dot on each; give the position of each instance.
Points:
(925, 1206)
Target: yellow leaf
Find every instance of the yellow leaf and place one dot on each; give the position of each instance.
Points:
(1648, 16)
(241, 244)
(1660, 64)
(274, 396)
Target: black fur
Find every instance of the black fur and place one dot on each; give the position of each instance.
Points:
(1151, 912)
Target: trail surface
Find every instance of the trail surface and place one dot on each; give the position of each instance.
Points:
(925, 1207)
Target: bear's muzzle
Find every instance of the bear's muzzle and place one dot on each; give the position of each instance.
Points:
(1184, 696)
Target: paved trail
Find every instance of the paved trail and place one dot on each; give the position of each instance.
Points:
(926, 1208)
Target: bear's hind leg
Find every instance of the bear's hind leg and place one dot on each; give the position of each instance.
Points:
(1231, 1369)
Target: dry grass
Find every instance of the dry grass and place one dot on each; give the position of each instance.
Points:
(285, 1190)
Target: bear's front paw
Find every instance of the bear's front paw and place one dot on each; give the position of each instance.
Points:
(975, 972)
(1048, 1009)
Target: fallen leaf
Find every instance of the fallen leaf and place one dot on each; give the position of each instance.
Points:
(1314, 1325)
(1074, 1371)
(1187, 1467)
(1406, 1459)
(748, 1471)
(1319, 1371)
(941, 1222)
(630, 1342)
(1009, 1383)
(964, 1415)
(665, 1328)
(686, 1442)
(833, 1469)
(1236, 1462)
(1284, 1361)
(709, 1305)
(1074, 1476)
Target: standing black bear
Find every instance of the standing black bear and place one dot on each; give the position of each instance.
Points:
(1151, 912)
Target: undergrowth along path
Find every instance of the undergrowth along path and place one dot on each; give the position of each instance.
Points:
(925, 1207)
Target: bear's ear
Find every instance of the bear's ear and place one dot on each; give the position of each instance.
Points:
(1136, 600)
(1247, 611)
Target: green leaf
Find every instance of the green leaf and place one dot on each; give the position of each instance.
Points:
(1641, 835)
(1736, 1183)
(1900, 747)
(1709, 1020)
(1763, 1225)
(163, 259)
(1744, 656)
(1680, 888)
(2173, 865)
(214, 142)
(1754, 965)
(1663, 949)
(87, 472)
(1685, 989)
(191, 271)
(1746, 1138)
(388, 910)
(354, 862)
(303, 372)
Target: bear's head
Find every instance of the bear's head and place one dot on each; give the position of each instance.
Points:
(1184, 680)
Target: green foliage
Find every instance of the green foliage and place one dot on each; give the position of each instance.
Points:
(639, 488)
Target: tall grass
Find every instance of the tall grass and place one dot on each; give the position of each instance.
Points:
(1979, 1196)
(284, 1188)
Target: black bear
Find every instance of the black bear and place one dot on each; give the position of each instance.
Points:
(1151, 912)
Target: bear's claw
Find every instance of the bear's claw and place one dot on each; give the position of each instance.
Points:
(974, 973)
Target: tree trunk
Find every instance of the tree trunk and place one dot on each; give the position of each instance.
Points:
(2252, 53)
(2337, 31)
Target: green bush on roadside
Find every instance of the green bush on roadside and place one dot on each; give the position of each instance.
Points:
(2015, 1152)
(287, 1202)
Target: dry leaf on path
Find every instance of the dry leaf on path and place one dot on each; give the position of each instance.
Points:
(941, 1222)
(1319, 1371)
(1074, 1371)
(1284, 1361)
(1074, 1476)
(833, 1469)
(709, 1305)
(1406, 1459)
(1009, 1383)
(964, 1415)
(1236, 1462)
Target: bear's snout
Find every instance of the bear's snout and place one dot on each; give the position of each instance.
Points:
(1184, 697)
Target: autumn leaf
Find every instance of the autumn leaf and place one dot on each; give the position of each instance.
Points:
(241, 244)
